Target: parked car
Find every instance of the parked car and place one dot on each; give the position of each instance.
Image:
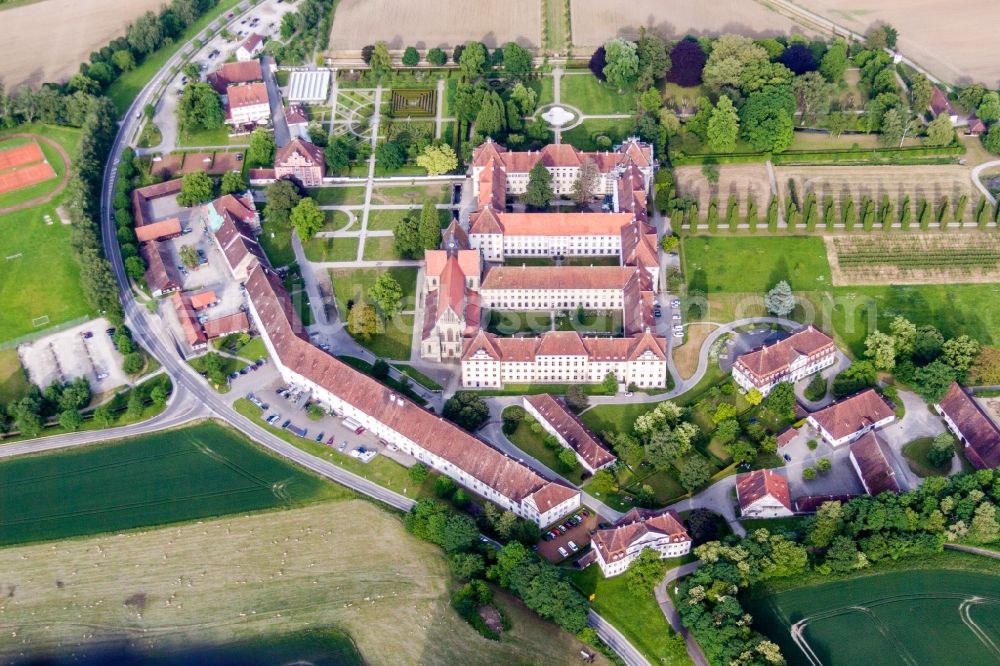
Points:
(87, 335)
(573, 546)
(657, 312)
(676, 303)
(562, 551)
(330, 441)
(285, 424)
(562, 529)
(319, 437)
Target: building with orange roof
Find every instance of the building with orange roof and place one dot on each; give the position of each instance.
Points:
(805, 352)
(569, 431)
(847, 420)
(204, 299)
(161, 230)
(972, 425)
(616, 547)
(451, 302)
(247, 104)
(564, 162)
(763, 493)
(302, 161)
(194, 335)
(234, 73)
(563, 357)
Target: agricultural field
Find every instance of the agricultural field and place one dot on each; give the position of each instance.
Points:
(40, 283)
(971, 257)
(928, 32)
(737, 180)
(595, 22)
(403, 23)
(931, 183)
(264, 582)
(82, 26)
(170, 476)
(887, 617)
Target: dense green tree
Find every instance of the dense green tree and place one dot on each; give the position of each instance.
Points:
(411, 57)
(429, 227)
(473, 60)
(380, 63)
(200, 108)
(812, 94)
(70, 420)
(390, 155)
(927, 344)
(654, 60)
(730, 55)
(921, 91)
(834, 63)
(942, 450)
(363, 321)
(779, 300)
(539, 190)
(387, 295)
(695, 472)
(307, 218)
(622, 68)
(960, 353)
(438, 159)
(857, 377)
(766, 121)
(437, 57)
(339, 154)
(418, 473)
(467, 409)
(723, 126)
(881, 348)
(989, 107)
(196, 188)
(517, 61)
(933, 381)
(261, 150)
(282, 197)
(645, 572)
(491, 120)
(781, 400)
(406, 237)
(233, 182)
(991, 140)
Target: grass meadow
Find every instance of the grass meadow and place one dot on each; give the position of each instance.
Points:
(38, 275)
(176, 475)
(593, 97)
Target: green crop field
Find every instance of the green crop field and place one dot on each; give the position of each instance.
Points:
(902, 617)
(38, 276)
(193, 472)
(755, 264)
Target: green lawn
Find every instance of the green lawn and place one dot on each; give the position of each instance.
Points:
(193, 472)
(338, 196)
(591, 322)
(510, 323)
(380, 248)
(386, 220)
(916, 452)
(277, 245)
(336, 220)
(129, 84)
(639, 618)
(381, 470)
(296, 289)
(150, 136)
(13, 380)
(253, 350)
(353, 283)
(418, 377)
(591, 96)
(395, 341)
(216, 137)
(411, 194)
(38, 275)
(532, 444)
(725, 264)
(543, 87)
(327, 248)
(888, 617)
(65, 136)
(584, 136)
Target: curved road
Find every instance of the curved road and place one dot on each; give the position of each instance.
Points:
(976, 170)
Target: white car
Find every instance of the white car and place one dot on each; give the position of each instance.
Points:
(678, 334)
(562, 551)
(675, 317)
(675, 303)
(678, 327)
(573, 546)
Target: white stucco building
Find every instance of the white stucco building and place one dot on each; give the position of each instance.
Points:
(845, 421)
(805, 352)
(616, 548)
(763, 493)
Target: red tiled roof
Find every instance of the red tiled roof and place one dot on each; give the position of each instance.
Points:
(234, 323)
(237, 242)
(235, 72)
(613, 543)
(558, 277)
(313, 154)
(250, 94)
(251, 42)
(562, 224)
(432, 433)
(189, 321)
(203, 299)
(853, 414)
(296, 115)
(157, 230)
(578, 436)
(493, 186)
(240, 206)
(980, 431)
(141, 196)
(161, 272)
(876, 472)
(761, 483)
(787, 436)
(485, 221)
(940, 103)
(565, 343)
(776, 358)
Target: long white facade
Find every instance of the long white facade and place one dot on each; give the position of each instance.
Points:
(664, 544)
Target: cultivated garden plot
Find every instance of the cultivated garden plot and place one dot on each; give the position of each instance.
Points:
(734, 180)
(594, 21)
(934, 258)
(931, 183)
(429, 23)
(352, 113)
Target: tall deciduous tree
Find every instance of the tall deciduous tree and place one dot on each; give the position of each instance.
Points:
(472, 60)
(654, 61)
(438, 159)
(387, 295)
(622, 68)
(307, 218)
(363, 321)
(282, 196)
(196, 188)
(723, 126)
(491, 119)
(381, 62)
(429, 227)
(940, 132)
(687, 61)
(200, 108)
(261, 150)
(232, 182)
(517, 61)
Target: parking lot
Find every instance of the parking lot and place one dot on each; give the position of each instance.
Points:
(283, 405)
(82, 351)
(579, 535)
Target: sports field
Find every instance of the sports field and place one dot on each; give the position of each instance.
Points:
(39, 279)
(278, 580)
(194, 472)
(906, 617)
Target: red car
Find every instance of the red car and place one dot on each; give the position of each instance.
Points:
(359, 430)
(330, 441)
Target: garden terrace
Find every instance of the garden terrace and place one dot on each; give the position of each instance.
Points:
(914, 259)
(413, 103)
